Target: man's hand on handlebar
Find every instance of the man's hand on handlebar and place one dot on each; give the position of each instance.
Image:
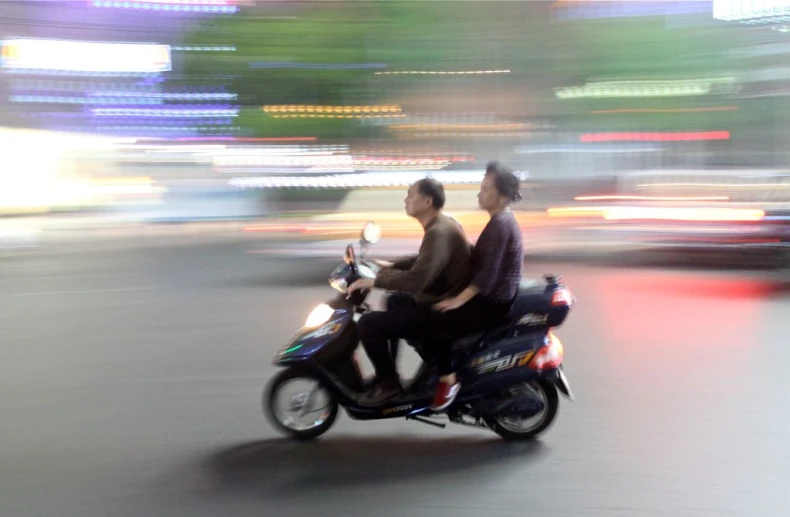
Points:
(362, 283)
(383, 264)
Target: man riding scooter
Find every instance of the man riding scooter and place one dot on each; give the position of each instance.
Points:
(486, 301)
(441, 269)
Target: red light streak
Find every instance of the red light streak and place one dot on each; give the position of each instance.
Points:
(656, 137)
(251, 139)
(650, 198)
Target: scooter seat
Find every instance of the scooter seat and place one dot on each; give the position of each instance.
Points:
(468, 342)
(531, 297)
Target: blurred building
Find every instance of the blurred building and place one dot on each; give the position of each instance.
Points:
(135, 86)
(220, 96)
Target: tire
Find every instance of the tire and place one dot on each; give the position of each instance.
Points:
(271, 392)
(552, 401)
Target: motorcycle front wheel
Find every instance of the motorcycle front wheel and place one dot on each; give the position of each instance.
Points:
(516, 428)
(298, 404)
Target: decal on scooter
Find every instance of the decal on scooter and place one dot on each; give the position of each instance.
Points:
(488, 357)
(397, 409)
(533, 319)
(329, 328)
(505, 363)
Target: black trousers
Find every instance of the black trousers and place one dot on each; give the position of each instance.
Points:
(476, 315)
(380, 332)
(397, 301)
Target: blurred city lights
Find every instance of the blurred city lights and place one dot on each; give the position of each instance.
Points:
(684, 136)
(84, 56)
(180, 6)
(649, 88)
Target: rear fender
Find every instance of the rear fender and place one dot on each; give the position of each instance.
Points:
(560, 382)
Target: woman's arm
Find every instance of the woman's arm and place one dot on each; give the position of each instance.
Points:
(490, 253)
(453, 303)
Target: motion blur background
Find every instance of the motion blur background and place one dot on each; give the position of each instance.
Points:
(178, 178)
(126, 114)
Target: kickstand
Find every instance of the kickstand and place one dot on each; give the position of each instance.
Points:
(425, 421)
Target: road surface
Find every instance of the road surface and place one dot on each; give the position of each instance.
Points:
(130, 385)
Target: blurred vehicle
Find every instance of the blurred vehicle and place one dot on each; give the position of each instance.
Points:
(318, 237)
(510, 375)
(723, 212)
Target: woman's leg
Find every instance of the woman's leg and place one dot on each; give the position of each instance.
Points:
(447, 327)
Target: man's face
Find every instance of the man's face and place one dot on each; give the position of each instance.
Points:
(415, 202)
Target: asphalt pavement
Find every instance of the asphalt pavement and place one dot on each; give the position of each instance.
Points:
(130, 385)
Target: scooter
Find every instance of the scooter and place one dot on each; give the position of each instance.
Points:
(510, 376)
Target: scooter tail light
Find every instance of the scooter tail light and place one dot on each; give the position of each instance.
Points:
(549, 356)
(562, 297)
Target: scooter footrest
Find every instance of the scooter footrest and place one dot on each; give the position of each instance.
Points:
(425, 421)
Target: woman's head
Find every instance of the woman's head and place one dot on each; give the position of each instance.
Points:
(499, 188)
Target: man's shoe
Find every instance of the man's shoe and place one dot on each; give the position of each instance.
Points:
(381, 393)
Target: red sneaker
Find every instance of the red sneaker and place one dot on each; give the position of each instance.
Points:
(445, 395)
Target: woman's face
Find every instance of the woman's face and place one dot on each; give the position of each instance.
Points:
(489, 197)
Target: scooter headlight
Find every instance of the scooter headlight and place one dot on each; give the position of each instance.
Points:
(319, 316)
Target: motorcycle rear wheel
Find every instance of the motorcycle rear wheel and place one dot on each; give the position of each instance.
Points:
(275, 414)
(508, 428)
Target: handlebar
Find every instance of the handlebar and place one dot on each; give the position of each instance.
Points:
(371, 265)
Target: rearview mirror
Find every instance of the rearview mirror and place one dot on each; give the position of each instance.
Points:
(349, 256)
(371, 233)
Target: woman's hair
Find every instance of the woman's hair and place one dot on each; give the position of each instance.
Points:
(506, 183)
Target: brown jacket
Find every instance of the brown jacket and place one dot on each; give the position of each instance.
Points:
(442, 268)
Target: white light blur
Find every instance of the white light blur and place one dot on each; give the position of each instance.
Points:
(35, 180)
(370, 179)
(84, 56)
(168, 96)
(54, 99)
(285, 161)
(733, 10)
(153, 112)
(205, 48)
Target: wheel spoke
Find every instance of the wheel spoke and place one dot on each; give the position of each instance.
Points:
(517, 424)
(301, 404)
(308, 399)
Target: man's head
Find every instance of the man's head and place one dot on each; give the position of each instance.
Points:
(425, 197)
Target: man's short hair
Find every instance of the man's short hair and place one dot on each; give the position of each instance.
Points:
(431, 188)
